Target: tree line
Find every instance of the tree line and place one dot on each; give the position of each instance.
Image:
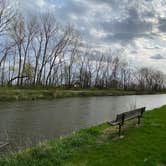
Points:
(39, 51)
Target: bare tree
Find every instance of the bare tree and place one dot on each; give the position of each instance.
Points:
(49, 28)
(18, 34)
(6, 16)
(40, 51)
(57, 51)
(30, 32)
(150, 79)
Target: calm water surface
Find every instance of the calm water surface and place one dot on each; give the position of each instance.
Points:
(29, 122)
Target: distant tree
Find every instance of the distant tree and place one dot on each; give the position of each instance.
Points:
(150, 79)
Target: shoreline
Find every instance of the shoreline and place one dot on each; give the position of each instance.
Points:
(41, 94)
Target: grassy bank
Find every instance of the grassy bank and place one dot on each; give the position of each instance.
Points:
(12, 94)
(97, 146)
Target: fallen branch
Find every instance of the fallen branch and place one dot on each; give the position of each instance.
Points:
(10, 81)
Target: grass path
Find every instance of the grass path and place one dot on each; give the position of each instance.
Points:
(96, 146)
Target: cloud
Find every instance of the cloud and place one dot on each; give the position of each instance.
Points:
(40, 3)
(157, 57)
(118, 20)
(162, 24)
(138, 26)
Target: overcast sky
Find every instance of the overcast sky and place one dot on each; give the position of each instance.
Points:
(136, 28)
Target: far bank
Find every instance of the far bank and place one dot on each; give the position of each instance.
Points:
(15, 94)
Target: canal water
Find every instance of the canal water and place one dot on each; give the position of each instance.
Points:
(26, 123)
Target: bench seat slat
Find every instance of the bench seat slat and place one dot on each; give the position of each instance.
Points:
(128, 116)
(131, 117)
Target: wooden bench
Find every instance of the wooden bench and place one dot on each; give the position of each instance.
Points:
(121, 118)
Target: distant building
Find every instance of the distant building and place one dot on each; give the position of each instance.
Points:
(76, 84)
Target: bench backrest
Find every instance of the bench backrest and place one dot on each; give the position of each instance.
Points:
(120, 117)
(134, 113)
(130, 114)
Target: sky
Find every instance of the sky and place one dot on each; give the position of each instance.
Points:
(134, 29)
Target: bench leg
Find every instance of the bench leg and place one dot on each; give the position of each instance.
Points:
(139, 120)
(120, 127)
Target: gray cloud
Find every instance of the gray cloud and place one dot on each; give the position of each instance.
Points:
(162, 24)
(157, 57)
(71, 7)
(127, 29)
(126, 19)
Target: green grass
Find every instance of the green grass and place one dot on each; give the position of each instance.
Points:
(97, 146)
(12, 94)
